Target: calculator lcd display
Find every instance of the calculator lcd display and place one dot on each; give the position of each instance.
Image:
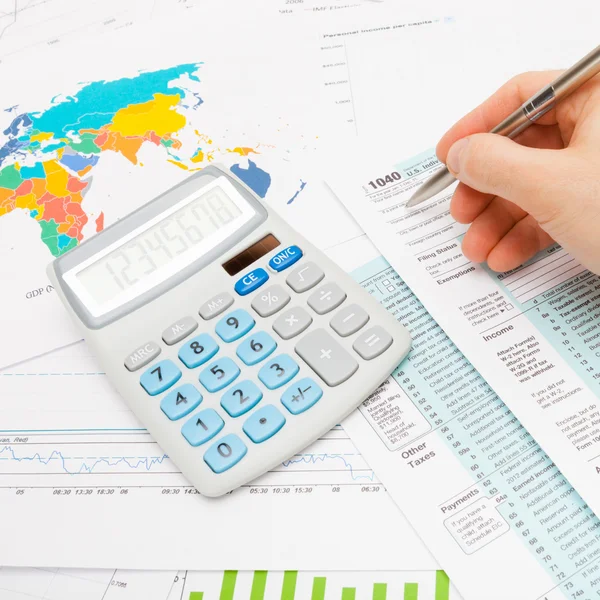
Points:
(165, 247)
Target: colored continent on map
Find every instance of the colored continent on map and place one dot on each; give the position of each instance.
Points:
(47, 158)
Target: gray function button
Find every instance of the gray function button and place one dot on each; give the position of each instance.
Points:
(142, 356)
(304, 277)
(269, 301)
(349, 320)
(292, 322)
(326, 298)
(373, 342)
(326, 357)
(179, 330)
(215, 306)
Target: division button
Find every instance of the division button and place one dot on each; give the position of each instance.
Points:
(270, 300)
(373, 342)
(179, 330)
(292, 322)
(215, 306)
(304, 277)
(326, 298)
(142, 356)
(349, 320)
(326, 357)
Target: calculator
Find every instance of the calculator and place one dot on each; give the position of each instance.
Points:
(233, 340)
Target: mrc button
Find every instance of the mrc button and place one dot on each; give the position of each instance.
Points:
(142, 356)
(249, 282)
(286, 258)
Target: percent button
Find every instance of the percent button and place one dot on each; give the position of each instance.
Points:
(270, 300)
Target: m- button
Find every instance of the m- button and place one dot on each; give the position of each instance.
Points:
(142, 356)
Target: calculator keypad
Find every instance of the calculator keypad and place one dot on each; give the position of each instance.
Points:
(225, 453)
(278, 371)
(234, 325)
(256, 348)
(263, 424)
(219, 374)
(202, 427)
(319, 348)
(198, 350)
(181, 401)
(160, 377)
(270, 301)
(241, 398)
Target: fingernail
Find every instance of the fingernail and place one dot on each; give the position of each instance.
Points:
(453, 158)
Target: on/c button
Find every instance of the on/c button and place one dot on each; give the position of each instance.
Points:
(249, 282)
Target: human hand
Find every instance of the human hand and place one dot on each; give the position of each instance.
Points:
(520, 196)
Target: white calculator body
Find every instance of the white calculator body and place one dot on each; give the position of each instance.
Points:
(233, 340)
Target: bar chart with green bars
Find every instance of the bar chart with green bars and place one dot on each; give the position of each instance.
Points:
(304, 585)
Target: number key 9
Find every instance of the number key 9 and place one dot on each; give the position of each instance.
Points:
(234, 325)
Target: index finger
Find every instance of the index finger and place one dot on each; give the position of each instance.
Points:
(497, 107)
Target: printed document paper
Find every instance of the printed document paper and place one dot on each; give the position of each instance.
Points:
(489, 502)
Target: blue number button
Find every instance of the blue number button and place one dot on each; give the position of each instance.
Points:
(250, 282)
(219, 374)
(241, 398)
(160, 377)
(301, 395)
(234, 325)
(198, 350)
(256, 348)
(203, 426)
(278, 371)
(225, 453)
(263, 424)
(181, 401)
(286, 258)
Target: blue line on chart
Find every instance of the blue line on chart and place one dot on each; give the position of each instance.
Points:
(314, 458)
(140, 461)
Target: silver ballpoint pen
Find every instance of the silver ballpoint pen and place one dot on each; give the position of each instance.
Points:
(538, 105)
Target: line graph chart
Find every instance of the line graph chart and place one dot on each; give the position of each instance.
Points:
(130, 457)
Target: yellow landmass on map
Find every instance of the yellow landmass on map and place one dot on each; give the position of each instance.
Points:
(156, 115)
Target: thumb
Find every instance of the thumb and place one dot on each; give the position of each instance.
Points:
(532, 178)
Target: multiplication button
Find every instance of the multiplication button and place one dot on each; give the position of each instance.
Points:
(292, 322)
